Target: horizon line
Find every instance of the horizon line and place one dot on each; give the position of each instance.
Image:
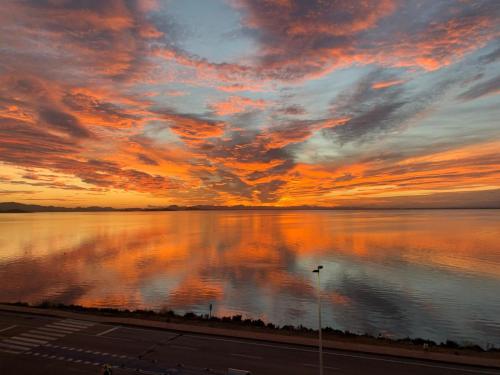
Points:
(32, 208)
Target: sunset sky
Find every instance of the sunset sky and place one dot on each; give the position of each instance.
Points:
(288, 102)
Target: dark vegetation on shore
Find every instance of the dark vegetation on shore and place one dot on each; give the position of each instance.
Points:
(238, 322)
(14, 207)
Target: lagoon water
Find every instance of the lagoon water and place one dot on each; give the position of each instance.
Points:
(419, 273)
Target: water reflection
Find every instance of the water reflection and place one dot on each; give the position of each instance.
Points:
(418, 273)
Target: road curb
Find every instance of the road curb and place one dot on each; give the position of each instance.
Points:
(267, 337)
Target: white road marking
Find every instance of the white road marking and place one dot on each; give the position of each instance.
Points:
(21, 343)
(72, 326)
(9, 351)
(52, 331)
(10, 346)
(38, 336)
(62, 328)
(108, 331)
(6, 329)
(246, 356)
(56, 330)
(80, 322)
(373, 358)
(29, 340)
(51, 334)
(82, 326)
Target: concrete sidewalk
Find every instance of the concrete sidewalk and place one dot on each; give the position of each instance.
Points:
(269, 337)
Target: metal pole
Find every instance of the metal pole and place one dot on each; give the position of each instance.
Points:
(317, 270)
(320, 326)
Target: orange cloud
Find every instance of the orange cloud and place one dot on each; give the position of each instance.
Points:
(237, 104)
(95, 103)
(328, 39)
(191, 127)
(384, 84)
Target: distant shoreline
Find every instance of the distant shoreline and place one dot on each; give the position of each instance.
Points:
(14, 207)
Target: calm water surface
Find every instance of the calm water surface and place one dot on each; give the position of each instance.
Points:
(432, 274)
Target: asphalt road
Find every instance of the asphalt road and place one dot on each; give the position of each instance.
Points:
(33, 345)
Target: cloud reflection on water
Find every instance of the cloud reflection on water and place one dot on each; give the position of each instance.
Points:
(416, 273)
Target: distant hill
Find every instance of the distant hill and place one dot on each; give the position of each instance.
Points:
(14, 207)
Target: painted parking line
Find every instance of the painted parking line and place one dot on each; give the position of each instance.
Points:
(108, 331)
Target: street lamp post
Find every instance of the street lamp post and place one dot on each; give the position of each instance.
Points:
(317, 270)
